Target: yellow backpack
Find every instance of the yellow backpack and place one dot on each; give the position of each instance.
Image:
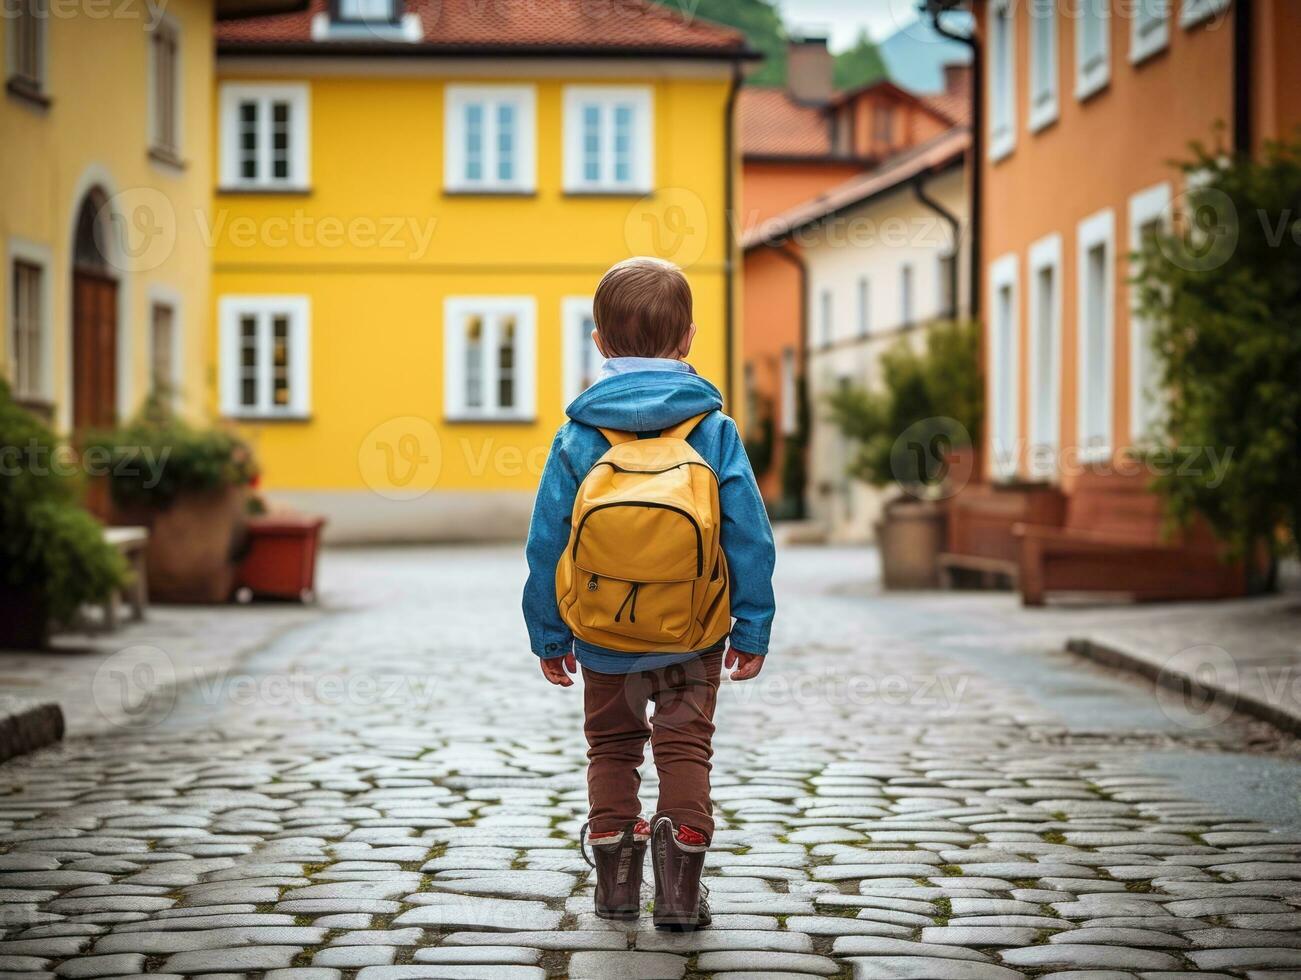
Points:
(644, 571)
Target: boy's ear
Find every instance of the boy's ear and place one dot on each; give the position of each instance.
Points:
(596, 339)
(684, 348)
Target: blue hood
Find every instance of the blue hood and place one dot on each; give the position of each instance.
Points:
(644, 401)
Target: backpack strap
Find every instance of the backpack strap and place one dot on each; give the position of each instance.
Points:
(617, 438)
(683, 428)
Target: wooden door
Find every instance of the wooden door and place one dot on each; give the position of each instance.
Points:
(94, 350)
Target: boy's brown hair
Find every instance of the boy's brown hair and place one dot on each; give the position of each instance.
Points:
(642, 308)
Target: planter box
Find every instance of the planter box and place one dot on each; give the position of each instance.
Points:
(193, 544)
(910, 536)
(281, 559)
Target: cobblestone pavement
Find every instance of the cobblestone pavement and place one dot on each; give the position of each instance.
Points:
(392, 791)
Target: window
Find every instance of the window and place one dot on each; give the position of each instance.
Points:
(826, 328)
(1149, 214)
(490, 138)
(27, 48)
(1043, 63)
(1149, 30)
(1002, 89)
(789, 394)
(265, 356)
(28, 325)
(1045, 353)
(946, 275)
(488, 360)
(264, 136)
(1092, 47)
(1196, 11)
(1004, 368)
(608, 139)
(883, 126)
(582, 360)
(906, 310)
(162, 348)
(1095, 321)
(365, 11)
(864, 307)
(165, 90)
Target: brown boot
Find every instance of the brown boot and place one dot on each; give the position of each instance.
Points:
(618, 859)
(678, 859)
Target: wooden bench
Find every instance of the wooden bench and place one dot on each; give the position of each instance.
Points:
(131, 543)
(1114, 542)
(980, 543)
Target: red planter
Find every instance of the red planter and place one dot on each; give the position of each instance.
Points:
(281, 559)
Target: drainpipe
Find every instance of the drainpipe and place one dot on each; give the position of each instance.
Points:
(792, 255)
(936, 9)
(1242, 50)
(729, 258)
(955, 228)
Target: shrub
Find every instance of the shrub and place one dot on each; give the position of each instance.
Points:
(1220, 292)
(49, 546)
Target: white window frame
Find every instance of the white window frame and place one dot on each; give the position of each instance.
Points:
(1193, 12)
(1043, 105)
(167, 25)
(864, 306)
(38, 86)
(642, 170)
(1145, 207)
(299, 310)
(1004, 463)
(1143, 46)
(21, 250)
(1045, 416)
(298, 95)
(1098, 229)
(1089, 81)
(789, 387)
(455, 309)
(161, 295)
(574, 311)
(907, 295)
(826, 317)
(456, 99)
(1002, 101)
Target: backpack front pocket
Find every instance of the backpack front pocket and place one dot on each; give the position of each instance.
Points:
(654, 612)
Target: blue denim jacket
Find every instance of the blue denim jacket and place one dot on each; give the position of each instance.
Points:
(646, 395)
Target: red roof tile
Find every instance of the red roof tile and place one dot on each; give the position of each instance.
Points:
(953, 106)
(773, 124)
(508, 26)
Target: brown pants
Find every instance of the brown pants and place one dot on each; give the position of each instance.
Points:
(681, 734)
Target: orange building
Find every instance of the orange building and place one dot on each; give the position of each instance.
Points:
(1085, 108)
(797, 143)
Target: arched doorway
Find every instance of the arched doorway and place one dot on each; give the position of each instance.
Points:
(94, 317)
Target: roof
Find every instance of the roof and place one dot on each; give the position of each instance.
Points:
(936, 154)
(953, 106)
(629, 27)
(256, 8)
(772, 123)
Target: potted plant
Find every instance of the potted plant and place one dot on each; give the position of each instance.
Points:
(189, 486)
(1219, 291)
(53, 557)
(915, 432)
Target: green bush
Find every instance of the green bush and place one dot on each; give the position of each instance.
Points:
(1220, 292)
(50, 547)
(936, 394)
(156, 457)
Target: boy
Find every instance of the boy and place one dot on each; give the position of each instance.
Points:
(609, 542)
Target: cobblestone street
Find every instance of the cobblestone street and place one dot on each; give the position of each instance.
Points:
(912, 788)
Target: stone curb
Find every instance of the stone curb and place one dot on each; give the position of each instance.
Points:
(28, 725)
(1177, 680)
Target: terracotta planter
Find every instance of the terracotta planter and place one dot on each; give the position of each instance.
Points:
(910, 537)
(24, 620)
(194, 544)
(280, 562)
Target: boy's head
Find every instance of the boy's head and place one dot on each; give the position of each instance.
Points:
(642, 308)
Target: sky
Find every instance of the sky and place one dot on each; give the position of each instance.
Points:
(843, 19)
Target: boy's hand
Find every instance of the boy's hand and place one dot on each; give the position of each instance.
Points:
(747, 664)
(557, 670)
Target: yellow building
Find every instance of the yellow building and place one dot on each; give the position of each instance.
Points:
(105, 183)
(413, 208)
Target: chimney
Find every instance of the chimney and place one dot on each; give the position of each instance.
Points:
(957, 78)
(809, 69)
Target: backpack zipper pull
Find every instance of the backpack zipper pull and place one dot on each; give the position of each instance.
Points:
(632, 610)
(591, 583)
